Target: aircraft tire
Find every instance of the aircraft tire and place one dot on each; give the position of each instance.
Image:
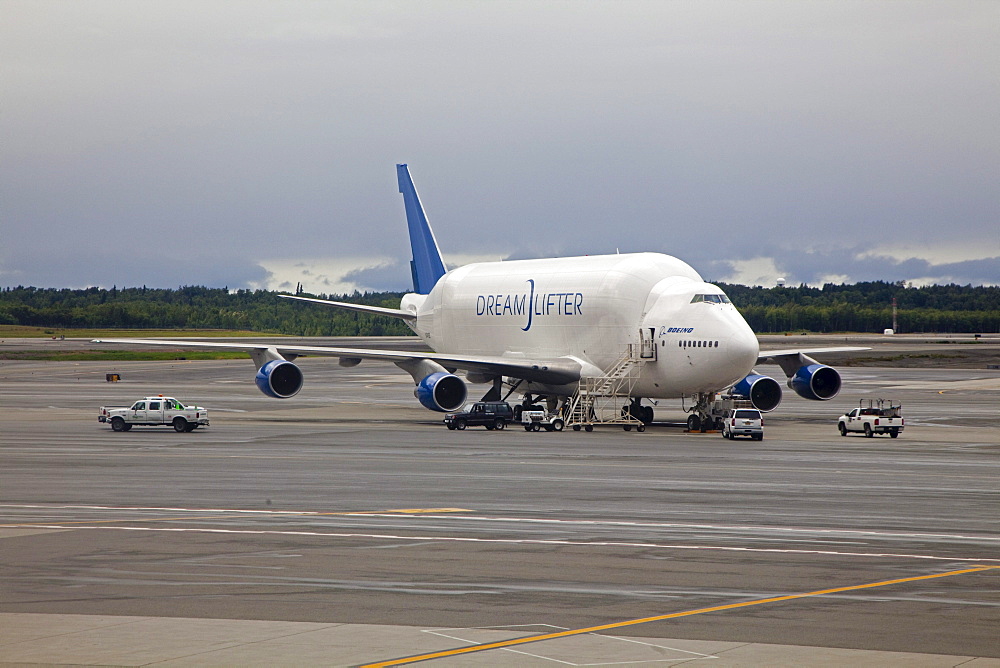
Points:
(647, 415)
(694, 423)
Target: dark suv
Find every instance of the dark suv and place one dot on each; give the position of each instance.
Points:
(489, 414)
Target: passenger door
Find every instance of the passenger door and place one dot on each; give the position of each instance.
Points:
(138, 412)
(154, 413)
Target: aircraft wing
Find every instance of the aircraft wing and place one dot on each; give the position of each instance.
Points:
(773, 355)
(552, 371)
(790, 360)
(377, 310)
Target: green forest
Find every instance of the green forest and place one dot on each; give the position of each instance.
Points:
(860, 307)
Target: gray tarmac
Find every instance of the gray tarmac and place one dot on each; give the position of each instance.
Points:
(347, 526)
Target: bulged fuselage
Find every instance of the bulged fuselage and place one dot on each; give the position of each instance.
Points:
(590, 309)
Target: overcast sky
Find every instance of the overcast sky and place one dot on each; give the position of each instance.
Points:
(253, 144)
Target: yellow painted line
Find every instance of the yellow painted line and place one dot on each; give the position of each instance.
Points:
(398, 511)
(645, 620)
(417, 511)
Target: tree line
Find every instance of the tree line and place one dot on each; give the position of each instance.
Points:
(195, 307)
(859, 307)
(867, 307)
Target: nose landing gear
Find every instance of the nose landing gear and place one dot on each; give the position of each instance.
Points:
(701, 419)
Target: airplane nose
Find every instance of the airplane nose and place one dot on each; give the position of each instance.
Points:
(743, 344)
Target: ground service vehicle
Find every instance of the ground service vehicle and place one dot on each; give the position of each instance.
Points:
(743, 422)
(873, 416)
(537, 420)
(154, 412)
(489, 414)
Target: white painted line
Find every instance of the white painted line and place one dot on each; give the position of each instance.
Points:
(506, 541)
(531, 520)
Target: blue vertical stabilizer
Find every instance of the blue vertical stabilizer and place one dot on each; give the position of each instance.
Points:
(427, 266)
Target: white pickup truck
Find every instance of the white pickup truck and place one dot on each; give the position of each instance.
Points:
(873, 416)
(154, 412)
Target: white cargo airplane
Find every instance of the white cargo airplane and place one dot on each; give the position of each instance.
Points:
(540, 326)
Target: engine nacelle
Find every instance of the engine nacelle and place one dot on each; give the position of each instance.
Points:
(279, 379)
(815, 381)
(763, 392)
(441, 391)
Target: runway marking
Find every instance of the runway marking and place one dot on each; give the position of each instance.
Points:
(418, 511)
(506, 541)
(425, 512)
(690, 654)
(673, 615)
(409, 511)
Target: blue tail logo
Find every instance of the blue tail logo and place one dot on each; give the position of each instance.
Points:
(427, 266)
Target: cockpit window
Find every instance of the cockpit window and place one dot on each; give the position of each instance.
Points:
(718, 298)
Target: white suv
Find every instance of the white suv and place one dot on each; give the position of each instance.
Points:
(743, 422)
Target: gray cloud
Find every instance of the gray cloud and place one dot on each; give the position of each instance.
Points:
(390, 277)
(172, 143)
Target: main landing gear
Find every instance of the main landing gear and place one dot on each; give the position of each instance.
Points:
(636, 410)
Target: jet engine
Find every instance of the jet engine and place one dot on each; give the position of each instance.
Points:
(815, 381)
(763, 392)
(279, 379)
(441, 391)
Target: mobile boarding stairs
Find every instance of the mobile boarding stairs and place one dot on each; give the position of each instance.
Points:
(599, 399)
